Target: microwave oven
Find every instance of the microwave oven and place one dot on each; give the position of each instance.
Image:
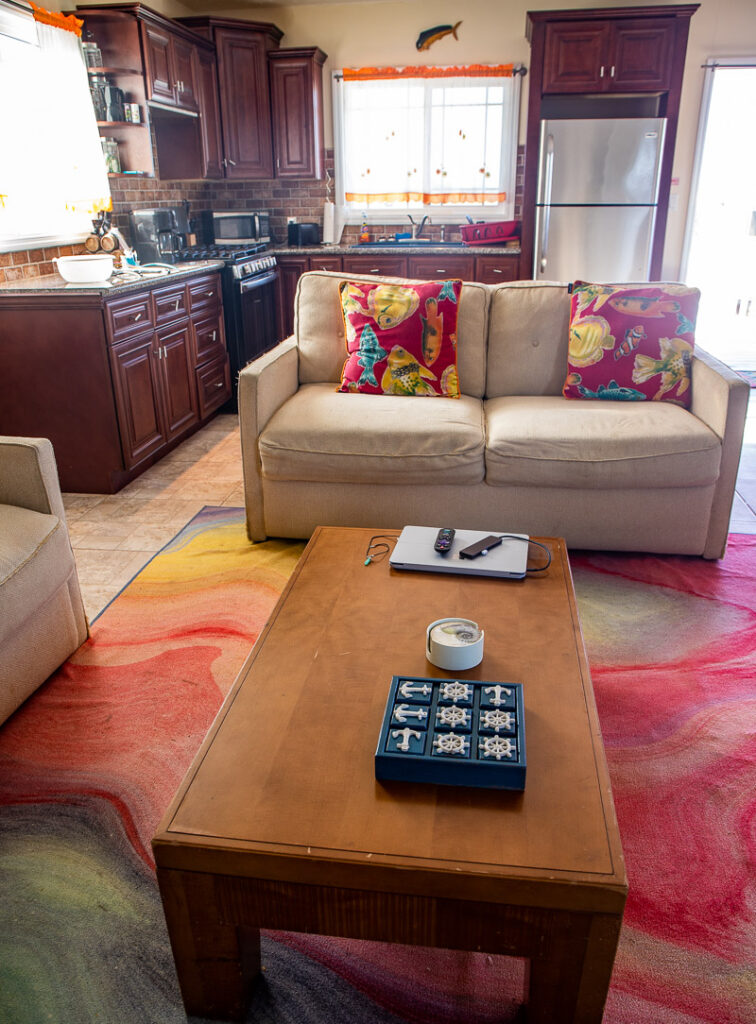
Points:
(235, 227)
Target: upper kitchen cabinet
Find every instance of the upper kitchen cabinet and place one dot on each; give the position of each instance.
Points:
(170, 66)
(242, 49)
(296, 86)
(608, 56)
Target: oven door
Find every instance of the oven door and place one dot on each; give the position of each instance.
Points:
(256, 298)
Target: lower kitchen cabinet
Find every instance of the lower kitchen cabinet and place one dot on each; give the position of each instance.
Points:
(113, 383)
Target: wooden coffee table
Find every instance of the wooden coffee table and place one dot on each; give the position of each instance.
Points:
(280, 822)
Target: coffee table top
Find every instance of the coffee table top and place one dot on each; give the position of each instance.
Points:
(284, 785)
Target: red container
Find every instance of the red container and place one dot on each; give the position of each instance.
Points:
(490, 233)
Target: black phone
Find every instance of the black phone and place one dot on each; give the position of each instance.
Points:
(480, 547)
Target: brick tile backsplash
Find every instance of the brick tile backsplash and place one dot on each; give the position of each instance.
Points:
(303, 199)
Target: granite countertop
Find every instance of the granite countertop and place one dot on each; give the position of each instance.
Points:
(455, 249)
(53, 284)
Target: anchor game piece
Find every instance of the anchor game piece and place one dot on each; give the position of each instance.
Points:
(498, 695)
(404, 712)
(419, 692)
(404, 736)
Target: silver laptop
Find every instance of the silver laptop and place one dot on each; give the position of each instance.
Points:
(414, 550)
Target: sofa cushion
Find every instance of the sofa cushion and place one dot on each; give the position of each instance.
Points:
(319, 329)
(631, 343)
(35, 559)
(400, 339)
(527, 339)
(550, 441)
(320, 434)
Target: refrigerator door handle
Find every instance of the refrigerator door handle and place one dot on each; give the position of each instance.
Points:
(547, 184)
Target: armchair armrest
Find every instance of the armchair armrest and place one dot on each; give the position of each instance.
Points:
(264, 385)
(29, 475)
(720, 399)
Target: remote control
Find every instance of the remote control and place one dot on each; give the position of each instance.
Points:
(444, 541)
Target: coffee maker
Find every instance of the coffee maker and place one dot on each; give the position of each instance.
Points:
(158, 234)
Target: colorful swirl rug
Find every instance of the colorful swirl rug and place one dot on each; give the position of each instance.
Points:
(89, 763)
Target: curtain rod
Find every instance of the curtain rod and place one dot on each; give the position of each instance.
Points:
(735, 67)
(518, 69)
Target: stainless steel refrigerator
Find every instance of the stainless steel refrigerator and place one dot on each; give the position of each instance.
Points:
(598, 185)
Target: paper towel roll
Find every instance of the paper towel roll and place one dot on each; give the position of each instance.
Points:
(454, 644)
(329, 235)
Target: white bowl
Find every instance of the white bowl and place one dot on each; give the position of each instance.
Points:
(85, 269)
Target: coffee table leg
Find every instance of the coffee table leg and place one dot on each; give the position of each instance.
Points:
(572, 983)
(216, 963)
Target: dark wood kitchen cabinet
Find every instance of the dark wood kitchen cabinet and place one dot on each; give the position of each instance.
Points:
(296, 89)
(114, 382)
(210, 123)
(608, 56)
(242, 49)
(169, 67)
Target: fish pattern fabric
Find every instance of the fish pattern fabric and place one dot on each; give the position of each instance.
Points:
(401, 339)
(631, 344)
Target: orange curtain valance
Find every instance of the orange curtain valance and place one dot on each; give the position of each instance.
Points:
(68, 22)
(427, 71)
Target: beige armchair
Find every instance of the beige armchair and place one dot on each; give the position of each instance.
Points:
(42, 618)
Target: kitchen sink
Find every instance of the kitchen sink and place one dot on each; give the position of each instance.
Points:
(403, 243)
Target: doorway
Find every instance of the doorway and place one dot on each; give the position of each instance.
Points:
(720, 243)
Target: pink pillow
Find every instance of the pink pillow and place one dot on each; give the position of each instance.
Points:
(631, 343)
(401, 339)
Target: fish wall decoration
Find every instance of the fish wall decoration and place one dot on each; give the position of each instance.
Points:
(432, 35)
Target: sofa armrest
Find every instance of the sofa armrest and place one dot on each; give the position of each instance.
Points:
(29, 475)
(720, 400)
(264, 385)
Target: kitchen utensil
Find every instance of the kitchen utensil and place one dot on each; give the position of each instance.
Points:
(85, 269)
(491, 233)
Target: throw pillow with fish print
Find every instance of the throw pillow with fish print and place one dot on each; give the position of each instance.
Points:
(401, 339)
(631, 343)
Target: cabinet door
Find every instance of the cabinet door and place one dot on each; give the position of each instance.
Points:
(290, 269)
(213, 386)
(210, 124)
(296, 99)
(495, 269)
(438, 267)
(576, 57)
(177, 377)
(185, 86)
(642, 55)
(245, 104)
(137, 387)
(157, 47)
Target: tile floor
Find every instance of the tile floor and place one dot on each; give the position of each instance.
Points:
(114, 536)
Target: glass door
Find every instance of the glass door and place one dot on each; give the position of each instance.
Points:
(720, 244)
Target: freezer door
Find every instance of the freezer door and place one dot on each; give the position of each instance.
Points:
(600, 243)
(604, 161)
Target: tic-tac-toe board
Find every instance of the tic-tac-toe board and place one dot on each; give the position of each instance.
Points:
(453, 732)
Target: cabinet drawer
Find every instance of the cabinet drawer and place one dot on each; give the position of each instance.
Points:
(204, 292)
(495, 269)
(325, 263)
(438, 267)
(129, 316)
(386, 266)
(213, 385)
(209, 338)
(169, 303)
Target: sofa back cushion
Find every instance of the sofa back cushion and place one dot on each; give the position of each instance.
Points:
(528, 336)
(319, 329)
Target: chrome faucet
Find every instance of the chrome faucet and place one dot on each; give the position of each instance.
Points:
(417, 229)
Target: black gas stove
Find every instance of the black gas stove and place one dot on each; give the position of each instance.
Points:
(249, 299)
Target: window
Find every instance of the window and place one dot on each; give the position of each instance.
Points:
(52, 171)
(426, 138)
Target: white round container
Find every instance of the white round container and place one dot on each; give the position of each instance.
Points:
(85, 269)
(454, 644)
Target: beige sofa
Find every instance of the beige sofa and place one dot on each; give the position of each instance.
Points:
(510, 454)
(42, 618)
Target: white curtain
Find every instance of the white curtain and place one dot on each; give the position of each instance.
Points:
(438, 137)
(53, 177)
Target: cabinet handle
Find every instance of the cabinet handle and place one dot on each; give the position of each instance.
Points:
(611, 71)
(176, 307)
(375, 270)
(212, 336)
(496, 270)
(440, 270)
(135, 317)
(601, 72)
(209, 294)
(218, 385)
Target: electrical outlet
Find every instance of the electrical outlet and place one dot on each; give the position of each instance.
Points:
(291, 220)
